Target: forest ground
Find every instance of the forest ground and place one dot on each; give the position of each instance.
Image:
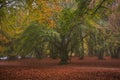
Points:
(48, 69)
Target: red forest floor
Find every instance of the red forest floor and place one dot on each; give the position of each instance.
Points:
(48, 69)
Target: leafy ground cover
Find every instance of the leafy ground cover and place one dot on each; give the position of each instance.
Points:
(48, 69)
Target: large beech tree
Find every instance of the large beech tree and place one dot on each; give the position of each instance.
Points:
(60, 28)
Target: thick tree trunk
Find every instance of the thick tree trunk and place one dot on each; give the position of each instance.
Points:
(63, 51)
(64, 56)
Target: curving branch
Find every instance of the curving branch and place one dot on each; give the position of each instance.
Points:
(99, 6)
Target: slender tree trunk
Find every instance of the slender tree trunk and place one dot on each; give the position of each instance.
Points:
(116, 53)
(101, 54)
(82, 49)
(38, 53)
